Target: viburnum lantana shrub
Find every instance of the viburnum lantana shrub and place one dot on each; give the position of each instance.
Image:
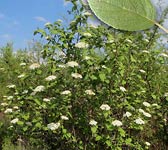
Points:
(97, 88)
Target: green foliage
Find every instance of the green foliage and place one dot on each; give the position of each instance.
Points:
(95, 88)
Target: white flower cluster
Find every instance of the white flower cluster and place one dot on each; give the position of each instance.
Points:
(21, 76)
(144, 113)
(64, 117)
(66, 92)
(53, 126)
(87, 57)
(139, 121)
(87, 34)
(50, 78)
(11, 86)
(89, 92)
(14, 120)
(81, 45)
(9, 97)
(4, 104)
(61, 66)
(142, 71)
(117, 123)
(145, 51)
(23, 64)
(34, 66)
(127, 114)
(163, 55)
(146, 104)
(39, 88)
(123, 89)
(76, 75)
(105, 107)
(46, 100)
(8, 110)
(93, 122)
(72, 64)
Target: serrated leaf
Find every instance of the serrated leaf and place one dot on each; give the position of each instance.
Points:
(130, 15)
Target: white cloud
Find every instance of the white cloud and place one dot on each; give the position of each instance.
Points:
(6, 36)
(41, 19)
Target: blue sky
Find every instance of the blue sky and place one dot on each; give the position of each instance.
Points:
(19, 18)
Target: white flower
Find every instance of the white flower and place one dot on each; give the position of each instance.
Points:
(105, 107)
(34, 66)
(166, 94)
(127, 114)
(46, 100)
(61, 66)
(142, 71)
(141, 110)
(53, 126)
(147, 114)
(117, 123)
(103, 66)
(146, 104)
(81, 45)
(76, 75)
(122, 89)
(25, 92)
(139, 121)
(4, 104)
(87, 58)
(66, 92)
(23, 64)
(146, 40)
(89, 92)
(39, 88)
(145, 51)
(9, 97)
(50, 78)
(21, 76)
(72, 64)
(64, 118)
(163, 55)
(11, 86)
(93, 122)
(2, 69)
(14, 120)
(87, 34)
(15, 107)
(129, 41)
(155, 105)
(147, 143)
(87, 13)
(8, 110)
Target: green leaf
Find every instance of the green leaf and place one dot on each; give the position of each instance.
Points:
(122, 132)
(102, 77)
(130, 15)
(94, 129)
(98, 138)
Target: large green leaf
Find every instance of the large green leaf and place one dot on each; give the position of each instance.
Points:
(130, 15)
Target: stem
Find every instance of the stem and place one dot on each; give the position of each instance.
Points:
(161, 27)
